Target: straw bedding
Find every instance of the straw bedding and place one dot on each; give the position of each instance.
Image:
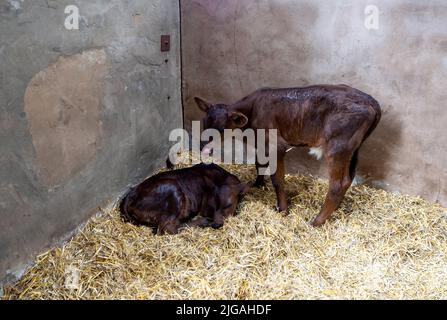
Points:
(378, 245)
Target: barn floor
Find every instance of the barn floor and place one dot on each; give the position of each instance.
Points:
(378, 245)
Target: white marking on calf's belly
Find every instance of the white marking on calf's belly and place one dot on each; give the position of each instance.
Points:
(358, 180)
(316, 152)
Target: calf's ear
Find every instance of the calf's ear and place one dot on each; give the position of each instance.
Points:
(202, 104)
(238, 119)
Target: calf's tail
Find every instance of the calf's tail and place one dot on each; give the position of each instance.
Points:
(376, 106)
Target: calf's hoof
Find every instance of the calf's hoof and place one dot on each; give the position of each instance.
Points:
(258, 184)
(216, 225)
(317, 222)
(284, 211)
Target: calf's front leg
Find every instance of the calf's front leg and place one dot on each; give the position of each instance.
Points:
(260, 181)
(279, 184)
(201, 222)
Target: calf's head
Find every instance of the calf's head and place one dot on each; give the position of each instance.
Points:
(229, 196)
(219, 117)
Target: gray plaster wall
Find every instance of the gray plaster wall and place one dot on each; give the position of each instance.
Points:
(83, 113)
(280, 43)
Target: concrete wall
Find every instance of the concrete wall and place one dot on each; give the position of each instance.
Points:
(231, 48)
(83, 113)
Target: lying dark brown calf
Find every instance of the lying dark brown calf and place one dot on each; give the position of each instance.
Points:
(333, 120)
(171, 200)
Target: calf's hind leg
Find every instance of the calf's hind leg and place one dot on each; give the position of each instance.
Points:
(168, 225)
(339, 181)
(178, 210)
(199, 221)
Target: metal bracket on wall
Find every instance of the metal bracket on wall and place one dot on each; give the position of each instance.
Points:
(165, 42)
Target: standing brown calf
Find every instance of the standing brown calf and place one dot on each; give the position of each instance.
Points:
(333, 120)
